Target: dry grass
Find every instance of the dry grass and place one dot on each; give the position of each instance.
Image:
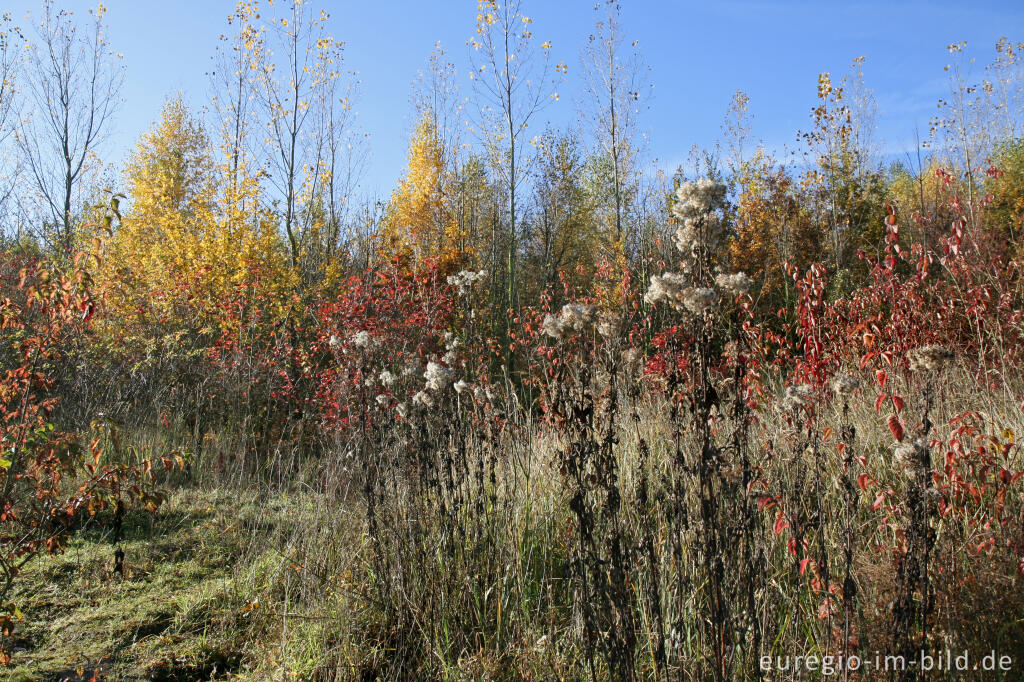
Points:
(468, 581)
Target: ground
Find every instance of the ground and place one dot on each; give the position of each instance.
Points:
(164, 619)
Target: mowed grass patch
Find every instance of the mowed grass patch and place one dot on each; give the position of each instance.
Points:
(173, 612)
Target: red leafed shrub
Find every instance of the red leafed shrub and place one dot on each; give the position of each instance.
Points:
(320, 362)
(47, 477)
(385, 320)
(965, 297)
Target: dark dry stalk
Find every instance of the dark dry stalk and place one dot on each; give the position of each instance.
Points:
(749, 575)
(848, 435)
(648, 532)
(820, 522)
(589, 474)
(914, 600)
(712, 540)
(623, 632)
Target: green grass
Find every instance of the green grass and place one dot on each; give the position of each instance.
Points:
(168, 617)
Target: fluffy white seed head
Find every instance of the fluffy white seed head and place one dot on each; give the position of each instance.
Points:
(465, 279)
(363, 340)
(929, 358)
(797, 396)
(572, 319)
(736, 284)
(699, 300)
(667, 289)
(609, 327)
(845, 385)
(697, 198)
(438, 376)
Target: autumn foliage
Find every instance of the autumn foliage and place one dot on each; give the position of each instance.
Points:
(561, 420)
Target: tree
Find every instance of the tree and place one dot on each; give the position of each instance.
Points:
(1005, 184)
(74, 82)
(297, 59)
(614, 90)
(476, 208)
(918, 193)
(978, 117)
(342, 160)
(772, 229)
(242, 209)
(512, 87)
(435, 95)
(181, 233)
(170, 180)
(8, 110)
(233, 80)
(420, 222)
(565, 235)
(846, 186)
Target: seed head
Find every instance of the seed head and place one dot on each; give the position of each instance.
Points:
(931, 358)
(797, 396)
(609, 327)
(845, 385)
(572, 319)
(465, 279)
(363, 340)
(699, 300)
(438, 376)
(736, 284)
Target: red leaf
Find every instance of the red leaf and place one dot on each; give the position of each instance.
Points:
(881, 377)
(863, 480)
(898, 403)
(896, 426)
(781, 524)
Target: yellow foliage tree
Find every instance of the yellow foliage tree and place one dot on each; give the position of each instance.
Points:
(771, 228)
(187, 233)
(420, 222)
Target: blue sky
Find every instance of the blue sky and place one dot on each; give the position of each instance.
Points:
(699, 53)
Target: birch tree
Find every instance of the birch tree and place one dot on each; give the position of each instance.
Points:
(614, 92)
(9, 38)
(73, 84)
(298, 59)
(513, 83)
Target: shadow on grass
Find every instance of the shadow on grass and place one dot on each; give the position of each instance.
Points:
(160, 619)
